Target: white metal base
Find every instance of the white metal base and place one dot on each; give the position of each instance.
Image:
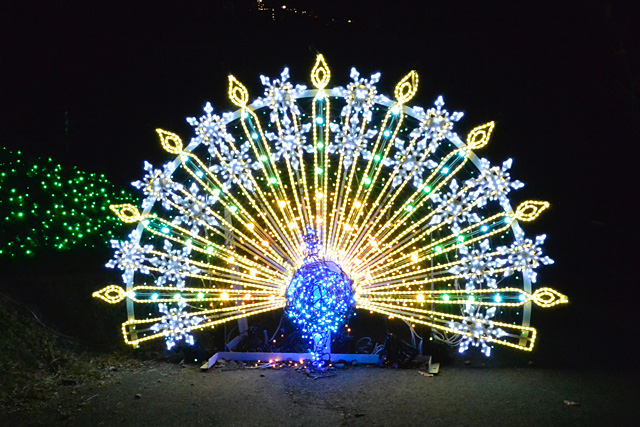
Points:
(284, 357)
(301, 357)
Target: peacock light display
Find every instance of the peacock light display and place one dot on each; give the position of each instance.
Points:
(325, 201)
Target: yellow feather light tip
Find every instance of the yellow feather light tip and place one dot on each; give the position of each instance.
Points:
(530, 209)
(238, 94)
(548, 297)
(112, 294)
(407, 87)
(479, 136)
(170, 141)
(320, 74)
(126, 212)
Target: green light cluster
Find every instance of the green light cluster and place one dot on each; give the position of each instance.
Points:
(45, 205)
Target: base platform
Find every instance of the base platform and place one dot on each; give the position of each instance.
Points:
(364, 359)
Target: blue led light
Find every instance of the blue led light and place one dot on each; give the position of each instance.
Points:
(484, 228)
(320, 295)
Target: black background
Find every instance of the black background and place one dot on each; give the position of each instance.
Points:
(559, 78)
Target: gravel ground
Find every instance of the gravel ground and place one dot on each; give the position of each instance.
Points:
(162, 394)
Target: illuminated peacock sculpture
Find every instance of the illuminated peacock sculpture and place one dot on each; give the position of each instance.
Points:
(325, 201)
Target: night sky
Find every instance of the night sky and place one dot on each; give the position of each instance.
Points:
(89, 83)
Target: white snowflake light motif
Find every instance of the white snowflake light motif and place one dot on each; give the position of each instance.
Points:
(494, 183)
(322, 201)
(235, 168)
(476, 266)
(477, 329)
(196, 210)
(411, 162)
(436, 124)
(174, 322)
(524, 255)
(174, 265)
(280, 95)
(157, 185)
(211, 131)
(130, 256)
(361, 94)
(454, 207)
(289, 146)
(350, 145)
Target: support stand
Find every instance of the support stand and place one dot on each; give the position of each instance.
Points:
(322, 349)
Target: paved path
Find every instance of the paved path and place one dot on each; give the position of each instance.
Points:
(365, 396)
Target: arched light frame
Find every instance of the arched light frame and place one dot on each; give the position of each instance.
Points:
(334, 92)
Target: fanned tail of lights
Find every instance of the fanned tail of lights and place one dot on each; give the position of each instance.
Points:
(322, 201)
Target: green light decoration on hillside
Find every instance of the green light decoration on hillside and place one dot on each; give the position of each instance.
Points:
(46, 205)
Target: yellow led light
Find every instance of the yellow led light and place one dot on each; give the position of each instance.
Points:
(126, 212)
(440, 320)
(170, 141)
(407, 87)
(373, 242)
(112, 294)
(479, 136)
(548, 297)
(485, 297)
(224, 296)
(230, 314)
(530, 209)
(420, 297)
(320, 74)
(158, 294)
(238, 94)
